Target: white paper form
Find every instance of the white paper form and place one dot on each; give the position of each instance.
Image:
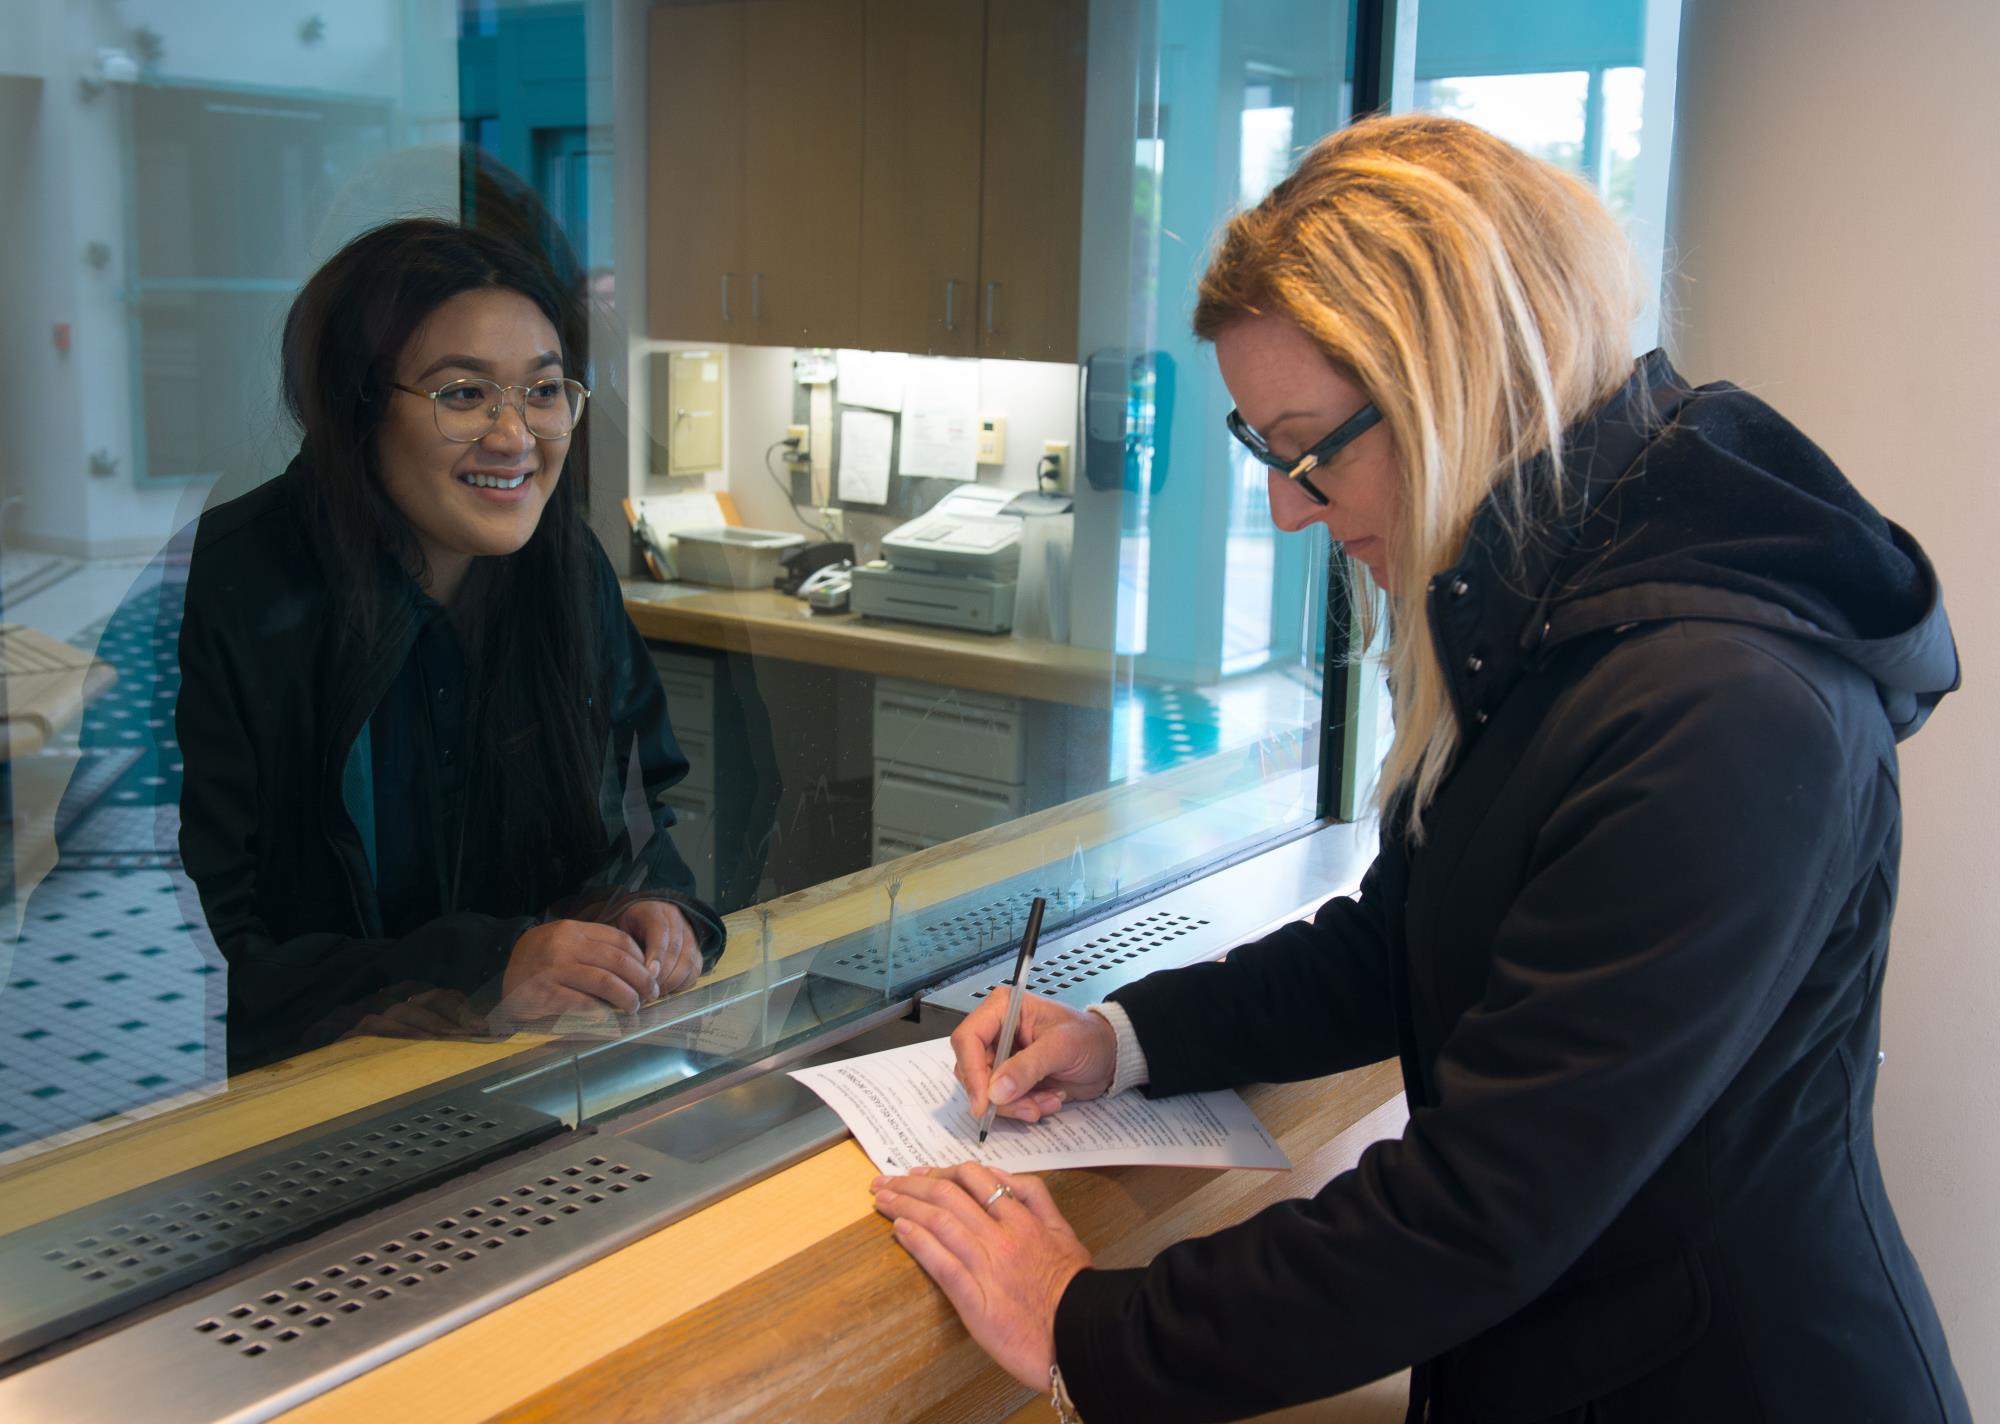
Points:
(906, 1110)
(940, 418)
(865, 438)
(871, 378)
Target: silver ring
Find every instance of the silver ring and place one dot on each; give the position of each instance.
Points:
(998, 1192)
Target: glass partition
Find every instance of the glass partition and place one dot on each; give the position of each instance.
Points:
(1589, 87)
(769, 526)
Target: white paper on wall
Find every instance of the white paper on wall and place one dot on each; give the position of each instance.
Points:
(870, 378)
(865, 439)
(940, 418)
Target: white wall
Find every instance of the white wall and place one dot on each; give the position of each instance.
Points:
(260, 42)
(21, 42)
(64, 156)
(1038, 399)
(1837, 219)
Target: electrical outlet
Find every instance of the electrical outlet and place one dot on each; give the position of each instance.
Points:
(800, 437)
(992, 440)
(1055, 461)
(833, 520)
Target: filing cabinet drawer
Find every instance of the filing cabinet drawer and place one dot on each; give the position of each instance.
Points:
(694, 834)
(965, 733)
(938, 806)
(699, 749)
(894, 845)
(690, 686)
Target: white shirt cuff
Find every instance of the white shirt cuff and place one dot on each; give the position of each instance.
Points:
(1131, 1071)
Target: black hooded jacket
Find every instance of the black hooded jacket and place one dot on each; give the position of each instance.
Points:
(277, 818)
(1633, 972)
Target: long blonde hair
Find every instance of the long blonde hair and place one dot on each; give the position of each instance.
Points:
(1482, 298)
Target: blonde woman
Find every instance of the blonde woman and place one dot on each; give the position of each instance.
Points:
(1651, 656)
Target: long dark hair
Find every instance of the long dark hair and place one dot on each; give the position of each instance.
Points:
(529, 621)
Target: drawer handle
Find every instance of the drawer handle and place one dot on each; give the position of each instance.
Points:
(966, 793)
(964, 720)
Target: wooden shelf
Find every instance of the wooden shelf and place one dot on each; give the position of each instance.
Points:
(770, 624)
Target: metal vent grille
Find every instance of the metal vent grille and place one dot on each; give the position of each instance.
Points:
(306, 1322)
(398, 1266)
(934, 944)
(106, 1258)
(1082, 968)
(1070, 968)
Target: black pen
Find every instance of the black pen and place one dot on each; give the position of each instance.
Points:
(1021, 966)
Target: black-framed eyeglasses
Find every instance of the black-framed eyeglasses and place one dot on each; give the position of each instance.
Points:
(467, 410)
(1296, 470)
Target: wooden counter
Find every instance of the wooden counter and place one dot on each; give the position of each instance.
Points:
(792, 1301)
(770, 624)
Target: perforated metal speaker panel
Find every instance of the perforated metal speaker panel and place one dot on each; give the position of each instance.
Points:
(104, 1259)
(263, 1345)
(396, 1266)
(930, 944)
(1081, 968)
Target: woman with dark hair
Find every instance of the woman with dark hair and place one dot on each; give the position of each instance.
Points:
(424, 746)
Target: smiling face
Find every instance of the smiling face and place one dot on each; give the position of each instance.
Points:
(484, 499)
(1290, 393)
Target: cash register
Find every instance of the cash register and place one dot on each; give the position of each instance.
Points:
(956, 566)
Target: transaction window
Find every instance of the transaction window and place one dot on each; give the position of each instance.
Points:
(931, 306)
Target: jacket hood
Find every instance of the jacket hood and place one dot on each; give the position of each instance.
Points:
(1706, 503)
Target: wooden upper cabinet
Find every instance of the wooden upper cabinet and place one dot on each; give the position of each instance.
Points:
(922, 116)
(694, 156)
(801, 113)
(902, 175)
(1031, 200)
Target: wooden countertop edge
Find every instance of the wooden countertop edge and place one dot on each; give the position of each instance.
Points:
(769, 625)
(791, 1300)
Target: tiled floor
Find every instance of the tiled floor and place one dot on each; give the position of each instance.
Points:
(1156, 726)
(111, 997)
(109, 1005)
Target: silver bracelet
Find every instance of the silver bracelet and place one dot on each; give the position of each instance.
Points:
(1059, 1397)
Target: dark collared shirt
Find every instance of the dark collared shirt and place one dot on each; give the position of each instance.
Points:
(418, 747)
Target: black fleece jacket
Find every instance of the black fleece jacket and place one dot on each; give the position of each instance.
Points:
(1633, 973)
(275, 826)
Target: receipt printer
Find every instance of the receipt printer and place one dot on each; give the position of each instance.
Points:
(955, 566)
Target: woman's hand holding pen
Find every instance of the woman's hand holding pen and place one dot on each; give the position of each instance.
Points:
(1061, 1055)
(995, 1243)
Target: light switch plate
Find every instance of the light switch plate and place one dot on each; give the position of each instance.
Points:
(992, 440)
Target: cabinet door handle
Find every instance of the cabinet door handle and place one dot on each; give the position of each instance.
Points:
(951, 304)
(756, 296)
(992, 302)
(726, 314)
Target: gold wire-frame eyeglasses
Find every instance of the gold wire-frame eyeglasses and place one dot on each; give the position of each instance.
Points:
(466, 410)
